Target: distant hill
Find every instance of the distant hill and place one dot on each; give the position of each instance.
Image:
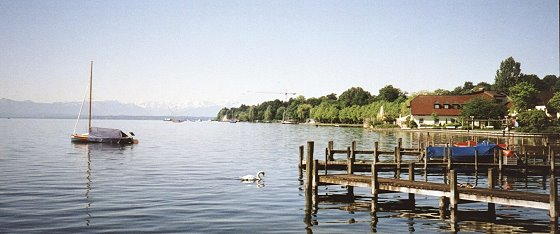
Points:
(29, 109)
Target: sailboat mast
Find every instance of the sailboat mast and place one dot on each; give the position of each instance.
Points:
(90, 93)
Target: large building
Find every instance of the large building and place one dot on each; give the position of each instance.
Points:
(447, 108)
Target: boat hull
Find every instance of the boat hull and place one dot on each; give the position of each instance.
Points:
(86, 139)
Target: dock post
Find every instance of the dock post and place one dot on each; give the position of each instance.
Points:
(475, 160)
(553, 195)
(443, 205)
(399, 143)
(500, 161)
(331, 153)
(449, 160)
(326, 160)
(425, 165)
(309, 177)
(374, 187)
(376, 151)
(491, 206)
(300, 165)
(315, 199)
(350, 166)
(454, 198)
(411, 198)
(398, 162)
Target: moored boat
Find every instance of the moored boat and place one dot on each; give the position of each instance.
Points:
(96, 134)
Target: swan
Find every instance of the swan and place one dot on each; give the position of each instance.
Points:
(259, 177)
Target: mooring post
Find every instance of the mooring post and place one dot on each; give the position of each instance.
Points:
(443, 205)
(491, 206)
(376, 152)
(475, 159)
(428, 139)
(350, 160)
(454, 198)
(350, 166)
(309, 177)
(500, 161)
(449, 158)
(315, 199)
(411, 198)
(326, 159)
(553, 194)
(399, 143)
(398, 162)
(374, 187)
(331, 153)
(300, 165)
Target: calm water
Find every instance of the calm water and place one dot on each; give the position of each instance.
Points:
(182, 178)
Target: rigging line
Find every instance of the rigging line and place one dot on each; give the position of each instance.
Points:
(81, 108)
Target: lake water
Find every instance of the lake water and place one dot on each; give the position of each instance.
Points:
(183, 178)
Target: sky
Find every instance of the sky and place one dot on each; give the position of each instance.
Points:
(226, 52)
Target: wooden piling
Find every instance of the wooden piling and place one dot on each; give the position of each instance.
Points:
(553, 212)
(350, 161)
(454, 198)
(309, 176)
(315, 182)
(500, 161)
(374, 188)
(326, 160)
(475, 160)
(376, 151)
(398, 162)
(449, 158)
(491, 206)
(411, 198)
(443, 205)
(300, 165)
(331, 153)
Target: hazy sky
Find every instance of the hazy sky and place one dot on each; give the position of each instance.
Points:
(217, 51)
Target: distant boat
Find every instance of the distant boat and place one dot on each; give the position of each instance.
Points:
(96, 134)
(289, 122)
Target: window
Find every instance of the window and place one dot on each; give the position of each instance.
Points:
(436, 121)
(436, 106)
(446, 106)
(421, 120)
(456, 106)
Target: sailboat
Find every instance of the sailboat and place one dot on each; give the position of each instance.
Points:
(96, 134)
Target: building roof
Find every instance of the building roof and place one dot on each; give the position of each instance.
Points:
(425, 104)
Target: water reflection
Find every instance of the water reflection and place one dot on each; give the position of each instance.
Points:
(88, 150)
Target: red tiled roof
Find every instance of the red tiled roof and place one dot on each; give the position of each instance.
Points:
(424, 104)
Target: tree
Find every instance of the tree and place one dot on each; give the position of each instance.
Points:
(441, 92)
(268, 113)
(483, 86)
(507, 75)
(251, 114)
(280, 113)
(533, 121)
(534, 80)
(389, 93)
(553, 104)
(551, 82)
(481, 108)
(303, 111)
(523, 96)
(354, 96)
(435, 117)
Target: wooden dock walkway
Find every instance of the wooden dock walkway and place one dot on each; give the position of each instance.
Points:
(451, 193)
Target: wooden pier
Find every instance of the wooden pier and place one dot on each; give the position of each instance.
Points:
(451, 193)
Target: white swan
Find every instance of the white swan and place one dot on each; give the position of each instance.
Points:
(259, 177)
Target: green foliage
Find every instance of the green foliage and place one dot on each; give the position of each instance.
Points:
(534, 80)
(354, 96)
(268, 113)
(507, 75)
(553, 104)
(389, 93)
(533, 121)
(552, 82)
(280, 113)
(325, 112)
(303, 111)
(482, 108)
(523, 96)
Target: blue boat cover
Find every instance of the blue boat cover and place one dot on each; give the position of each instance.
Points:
(464, 154)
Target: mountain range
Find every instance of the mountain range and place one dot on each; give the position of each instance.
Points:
(29, 109)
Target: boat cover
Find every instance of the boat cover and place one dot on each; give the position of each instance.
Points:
(464, 154)
(105, 133)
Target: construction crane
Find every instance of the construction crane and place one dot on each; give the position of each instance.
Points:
(286, 99)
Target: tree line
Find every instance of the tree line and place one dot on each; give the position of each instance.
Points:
(357, 105)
